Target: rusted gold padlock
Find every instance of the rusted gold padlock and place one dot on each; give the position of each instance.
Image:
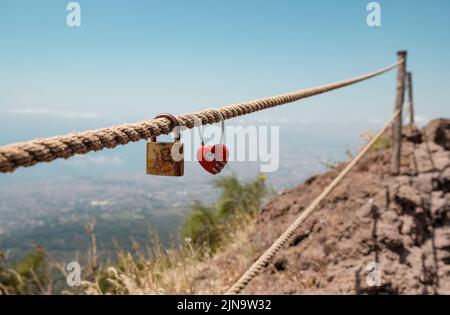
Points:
(166, 158)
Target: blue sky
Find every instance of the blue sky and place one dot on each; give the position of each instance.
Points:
(130, 60)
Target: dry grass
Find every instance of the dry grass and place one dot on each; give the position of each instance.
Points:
(383, 142)
(179, 270)
(188, 268)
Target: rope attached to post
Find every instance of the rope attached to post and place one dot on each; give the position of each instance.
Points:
(264, 260)
(45, 150)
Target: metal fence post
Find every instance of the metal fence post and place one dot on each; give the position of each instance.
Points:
(410, 98)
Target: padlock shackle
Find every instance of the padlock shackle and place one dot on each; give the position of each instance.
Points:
(174, 122)
(222, 122)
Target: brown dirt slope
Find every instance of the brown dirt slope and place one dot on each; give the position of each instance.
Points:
(402, 223)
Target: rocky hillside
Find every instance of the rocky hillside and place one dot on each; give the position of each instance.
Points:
(400, 222)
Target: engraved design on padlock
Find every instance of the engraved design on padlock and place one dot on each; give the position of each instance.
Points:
(166, 158)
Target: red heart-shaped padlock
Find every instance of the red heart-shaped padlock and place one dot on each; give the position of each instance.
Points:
(213, 158)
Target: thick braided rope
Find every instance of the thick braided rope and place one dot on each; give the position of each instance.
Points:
(264, 260)
(48, 149)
